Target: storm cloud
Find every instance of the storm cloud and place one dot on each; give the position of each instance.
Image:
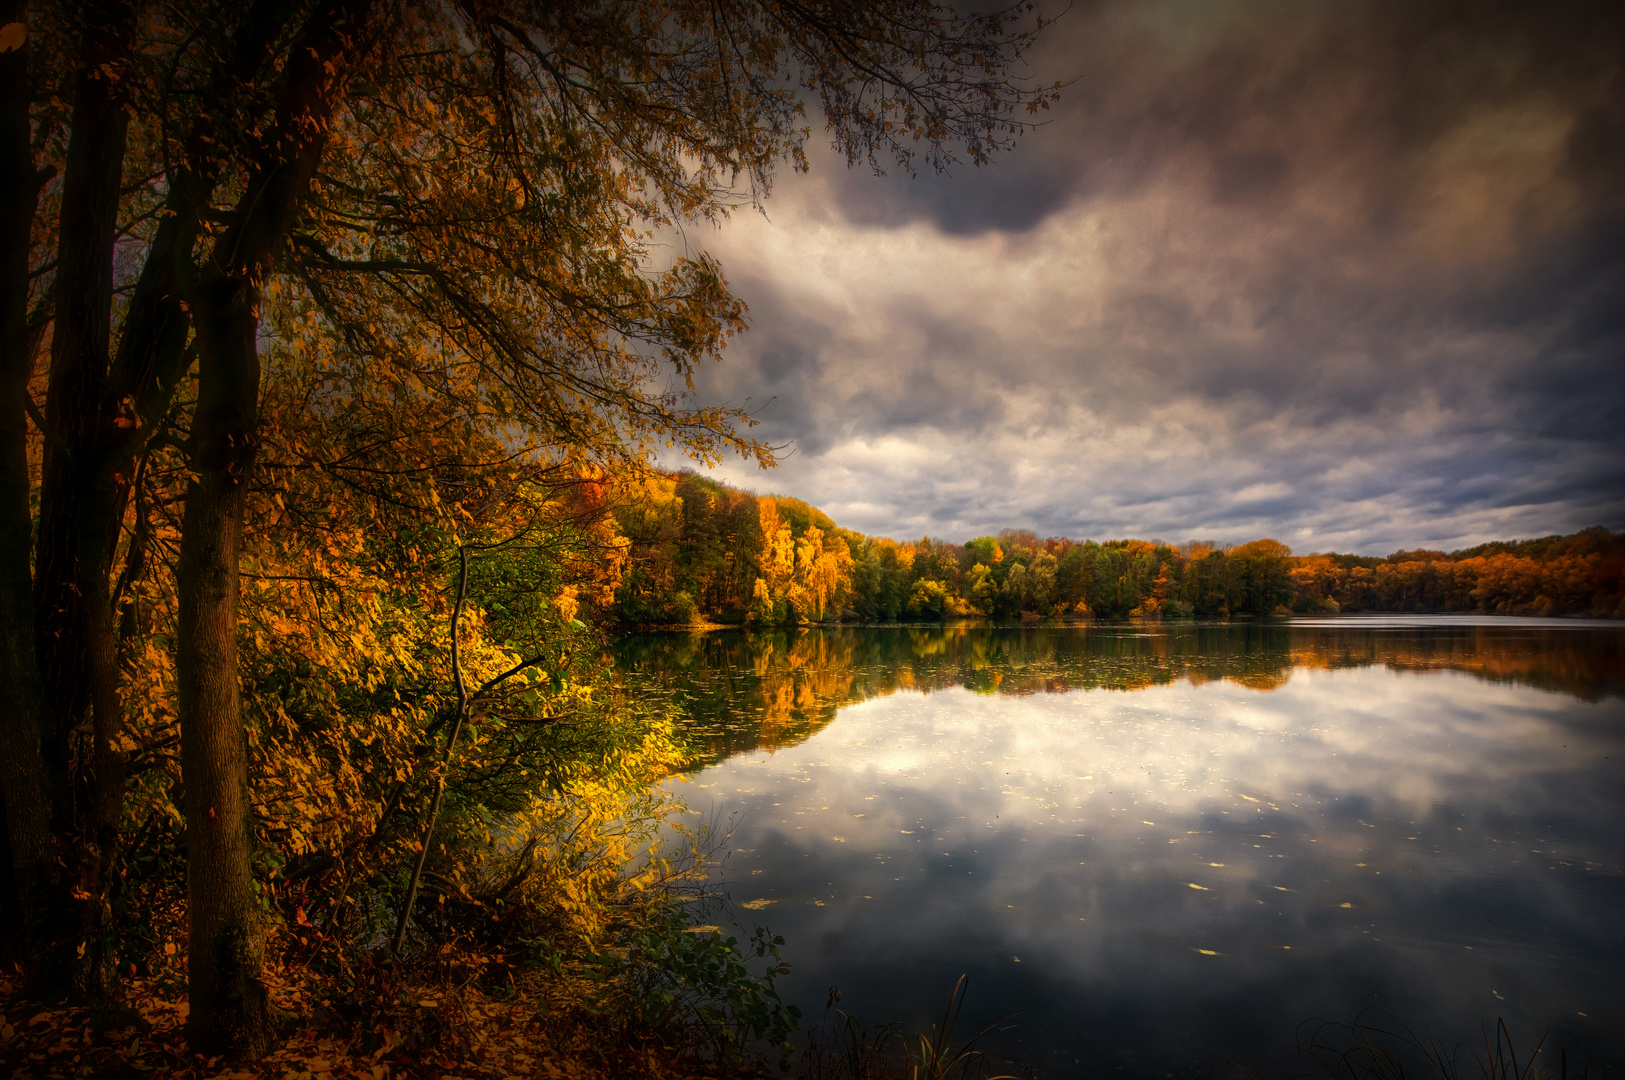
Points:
(1350, 275)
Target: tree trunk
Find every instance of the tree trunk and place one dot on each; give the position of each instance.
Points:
(231, 1011)
(79, 360)
(82, 500)
(25, 808)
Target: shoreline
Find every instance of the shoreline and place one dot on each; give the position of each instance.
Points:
(1052, 623)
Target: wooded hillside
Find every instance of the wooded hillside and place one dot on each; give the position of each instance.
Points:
(703, 551)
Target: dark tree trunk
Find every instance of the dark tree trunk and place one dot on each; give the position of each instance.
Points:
(25, 808)
(79, 360)
(231, 1011)
(82, 500)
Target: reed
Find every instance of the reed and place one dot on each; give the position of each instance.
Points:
(1362, 1051)
(841, 1048)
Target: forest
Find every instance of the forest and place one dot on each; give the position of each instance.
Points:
(701, 551)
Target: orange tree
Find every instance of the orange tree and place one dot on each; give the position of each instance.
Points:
(452, 205)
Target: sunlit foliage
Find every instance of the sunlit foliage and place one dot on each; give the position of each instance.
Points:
(806, 569)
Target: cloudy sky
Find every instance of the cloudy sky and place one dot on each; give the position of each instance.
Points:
(1351, 275)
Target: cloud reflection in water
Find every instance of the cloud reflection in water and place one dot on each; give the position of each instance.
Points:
(1178, 876)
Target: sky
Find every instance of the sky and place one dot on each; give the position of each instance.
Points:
(1349, 275)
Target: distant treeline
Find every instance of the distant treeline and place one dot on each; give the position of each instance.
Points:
(702, 551)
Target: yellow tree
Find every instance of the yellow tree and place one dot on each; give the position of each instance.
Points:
(777, 564)
(823, 575)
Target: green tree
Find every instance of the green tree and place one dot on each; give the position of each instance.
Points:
(928, 599)
(1263, 575)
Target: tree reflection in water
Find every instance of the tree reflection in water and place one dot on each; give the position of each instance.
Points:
(746, 690)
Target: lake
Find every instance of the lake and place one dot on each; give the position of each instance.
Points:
(1166, 850)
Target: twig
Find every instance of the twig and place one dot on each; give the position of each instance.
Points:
(451, 744)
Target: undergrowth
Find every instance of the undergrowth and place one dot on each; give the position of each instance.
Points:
(661, 999)
(566, 947)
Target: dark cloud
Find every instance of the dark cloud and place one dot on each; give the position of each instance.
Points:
(1015, 197)
(1258, 95)
(1351, 275)
(1248, 176)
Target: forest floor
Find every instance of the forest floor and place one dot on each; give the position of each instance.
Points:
(425, 1034)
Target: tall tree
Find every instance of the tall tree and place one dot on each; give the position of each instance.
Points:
(461, 195)
(25, 809)
(81, 497)
(231, 1010)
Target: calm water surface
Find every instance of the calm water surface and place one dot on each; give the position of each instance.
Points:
(1168, 848)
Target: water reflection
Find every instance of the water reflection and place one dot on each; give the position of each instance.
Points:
(1164, 880)
(773, 689)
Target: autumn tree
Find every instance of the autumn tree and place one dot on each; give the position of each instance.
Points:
(460, 196)
(776, 563)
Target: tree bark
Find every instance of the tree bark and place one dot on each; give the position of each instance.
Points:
(152, 355)
(25, 806)
(231, 1010)
(101, 415)
(82, 500)
(74, 404)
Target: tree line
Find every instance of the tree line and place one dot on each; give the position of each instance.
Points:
(699, 550)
